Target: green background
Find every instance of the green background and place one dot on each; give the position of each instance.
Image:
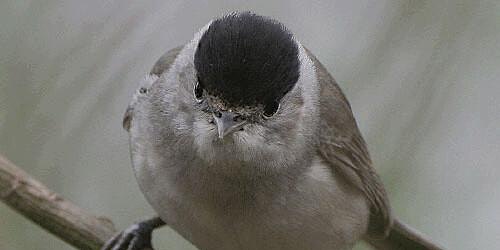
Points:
(422, 78)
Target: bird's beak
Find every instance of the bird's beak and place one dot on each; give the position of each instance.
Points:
(227, 123)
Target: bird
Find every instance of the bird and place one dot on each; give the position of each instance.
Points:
(241, 139)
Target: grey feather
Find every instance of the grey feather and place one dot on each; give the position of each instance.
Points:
(162, 64)
(301, 180)
(343, 147)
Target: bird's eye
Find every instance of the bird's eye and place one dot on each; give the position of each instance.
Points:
(270, 110)
(198, 92)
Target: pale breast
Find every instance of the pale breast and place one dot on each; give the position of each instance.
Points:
(320, 211)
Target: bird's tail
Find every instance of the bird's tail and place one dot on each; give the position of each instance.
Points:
(403, 237)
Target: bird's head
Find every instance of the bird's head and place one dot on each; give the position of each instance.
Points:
(253, 91)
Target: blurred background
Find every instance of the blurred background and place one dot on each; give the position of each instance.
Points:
(422, 78)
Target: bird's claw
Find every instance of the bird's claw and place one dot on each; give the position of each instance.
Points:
(135, 237)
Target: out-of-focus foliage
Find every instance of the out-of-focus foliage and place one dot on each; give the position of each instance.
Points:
(422, 77)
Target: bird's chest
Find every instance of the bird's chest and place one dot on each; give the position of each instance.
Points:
(314, 212)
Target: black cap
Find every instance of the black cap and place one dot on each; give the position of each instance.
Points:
(247, 59)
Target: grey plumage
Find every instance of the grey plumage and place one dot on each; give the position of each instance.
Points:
(302, 179)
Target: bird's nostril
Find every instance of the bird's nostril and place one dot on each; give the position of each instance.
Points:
(241, 129)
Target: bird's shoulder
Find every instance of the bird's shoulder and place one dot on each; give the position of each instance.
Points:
(343, 148)
(164, 62)
(161, 65)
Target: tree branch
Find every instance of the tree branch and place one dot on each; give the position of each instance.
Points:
(49, 210)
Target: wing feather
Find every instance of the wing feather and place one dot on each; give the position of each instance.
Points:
(161, 65)
(343, 148)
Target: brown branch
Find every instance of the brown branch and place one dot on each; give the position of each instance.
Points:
(49, 210)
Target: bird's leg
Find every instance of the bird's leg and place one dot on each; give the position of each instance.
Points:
(135, 237)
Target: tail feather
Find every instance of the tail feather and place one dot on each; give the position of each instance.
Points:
(402, 237)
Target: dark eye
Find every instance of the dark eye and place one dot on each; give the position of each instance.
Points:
(270, 110)
(198, 92)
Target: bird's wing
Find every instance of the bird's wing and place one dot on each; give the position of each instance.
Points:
(404, 237)
(161, 65)
(343, 148)
(164, 62)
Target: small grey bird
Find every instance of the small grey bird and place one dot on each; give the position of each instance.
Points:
(241, 139)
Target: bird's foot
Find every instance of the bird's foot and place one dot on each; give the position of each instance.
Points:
(135, 237)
